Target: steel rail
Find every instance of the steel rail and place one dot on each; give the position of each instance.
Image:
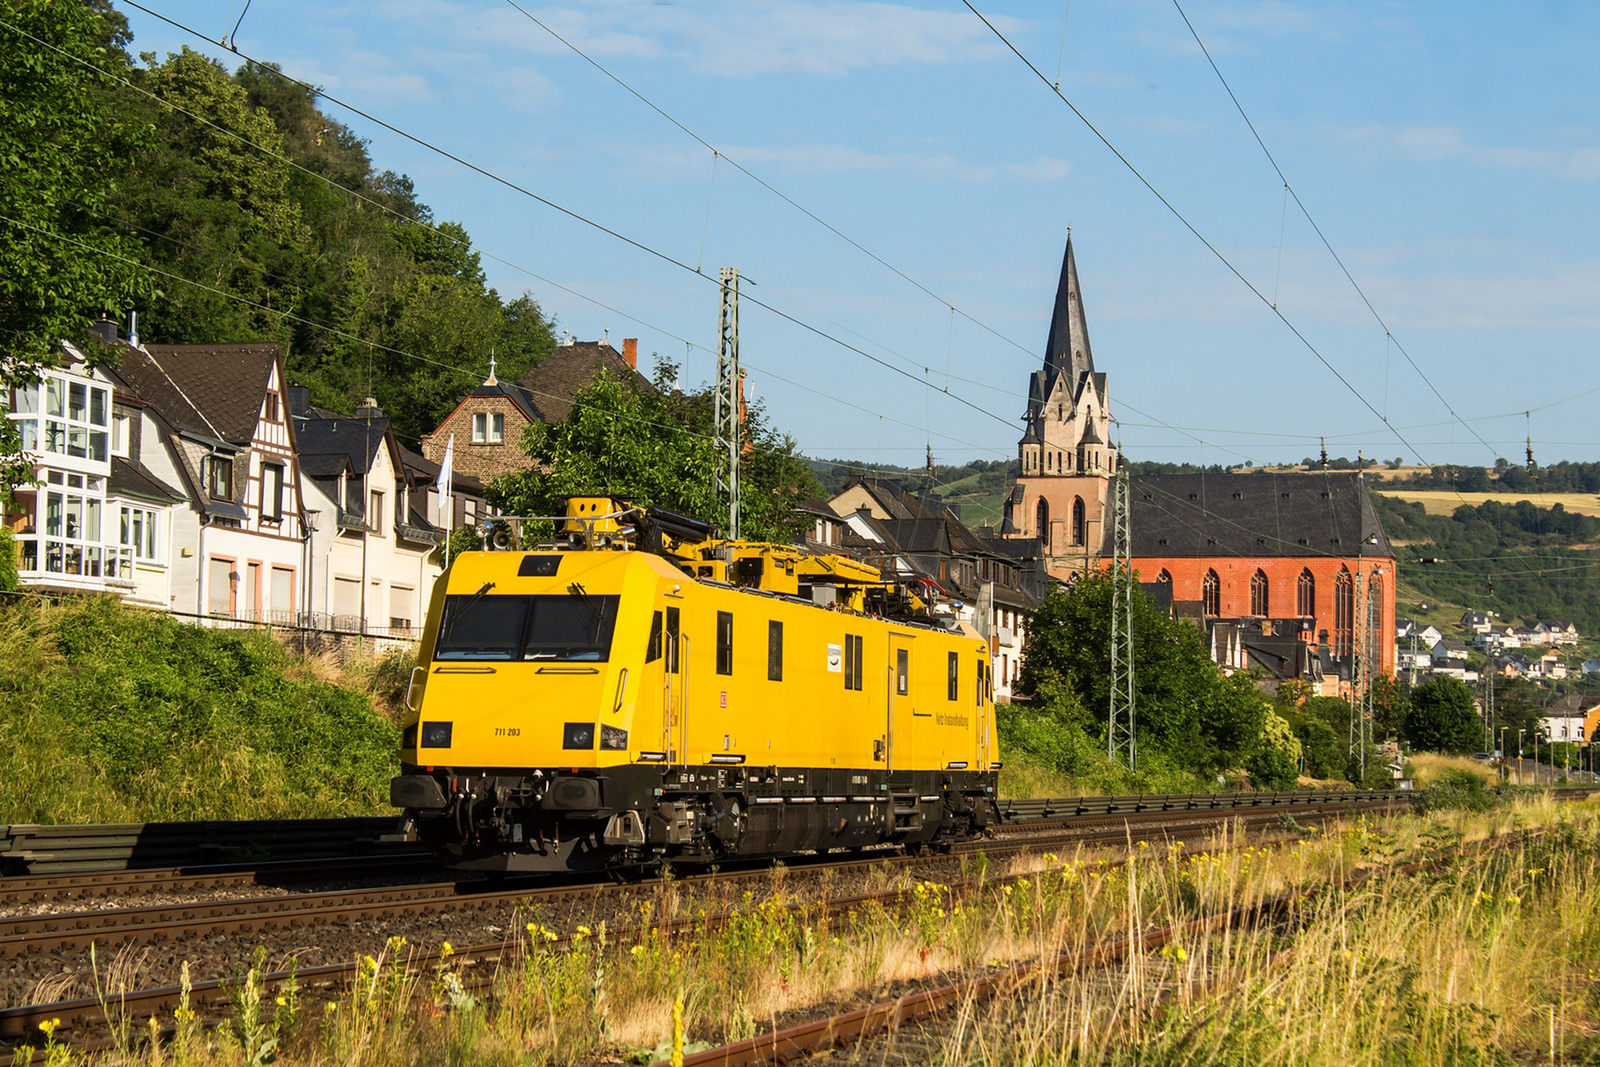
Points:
(161, 923)
(85, 1014)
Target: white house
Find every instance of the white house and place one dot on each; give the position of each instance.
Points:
(214, 425)
(372, 521)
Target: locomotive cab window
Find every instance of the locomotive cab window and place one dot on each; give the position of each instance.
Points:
(653, 650)
(775, 651)
(953, 686)
(978, 677)
(673, 631)
(902, 671)
(724, 642)
(480, 627)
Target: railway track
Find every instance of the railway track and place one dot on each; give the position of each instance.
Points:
(164, 923)
(83, 1017)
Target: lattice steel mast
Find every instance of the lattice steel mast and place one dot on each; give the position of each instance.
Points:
(1120, 727)
(725, 403)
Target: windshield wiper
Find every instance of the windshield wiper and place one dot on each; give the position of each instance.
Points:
(463, 609)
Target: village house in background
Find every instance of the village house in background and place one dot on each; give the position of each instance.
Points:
(487, 424)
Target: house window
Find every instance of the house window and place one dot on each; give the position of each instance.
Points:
(775, 651)
(221, 576)
(1211, 594)
(724, 642)
(488, 429)
(71, 534)
(1077, 520)
(137, 539)
(120, 443)
(1305, 594)
(77, 418)
(270, 408)
(283, 594)
(375, 512)
(219, 477)
(271, 492)
(1258, 595)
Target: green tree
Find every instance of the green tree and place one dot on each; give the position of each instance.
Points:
(1443, 717)
(63, 143)
(651, 448)
(1322, 726)
(1186, 708)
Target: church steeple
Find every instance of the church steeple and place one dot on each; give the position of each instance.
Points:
(1067, 348)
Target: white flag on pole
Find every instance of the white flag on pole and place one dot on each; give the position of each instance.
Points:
(447, 471)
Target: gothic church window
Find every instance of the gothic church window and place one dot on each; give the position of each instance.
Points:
(1211, 594)
(1258, 595)
(1077, 520)
(1042, 521)
(1344, 613)
(1306, 594)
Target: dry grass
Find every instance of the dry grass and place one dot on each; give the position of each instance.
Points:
(1405, 969)
(1445, 501)
(1430, 767)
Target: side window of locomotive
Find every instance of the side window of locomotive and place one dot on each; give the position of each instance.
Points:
(571, 627)
(653, 650)
(953, 687)
(724, 642)
(902, 671)
(978, 683)
(481, 627)
(852, 661)
(775, 651)
(672, 640)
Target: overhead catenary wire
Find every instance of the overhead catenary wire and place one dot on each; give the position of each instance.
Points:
(1183, 219)
(382, 206)
(577, 216)
(1289, 191)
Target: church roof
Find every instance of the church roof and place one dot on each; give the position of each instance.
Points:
(1318, 513)
(1067, 347)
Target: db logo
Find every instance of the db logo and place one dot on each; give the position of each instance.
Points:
(724, 698)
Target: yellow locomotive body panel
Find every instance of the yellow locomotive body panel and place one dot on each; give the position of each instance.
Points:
(608, 693)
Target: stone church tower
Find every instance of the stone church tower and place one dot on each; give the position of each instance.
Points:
(1066, 450)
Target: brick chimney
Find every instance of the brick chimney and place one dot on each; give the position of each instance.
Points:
(630, 351)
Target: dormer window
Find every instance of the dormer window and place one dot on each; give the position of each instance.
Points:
(219, 477)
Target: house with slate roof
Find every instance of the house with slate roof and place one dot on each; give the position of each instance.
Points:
(214, 426)
(1278, 559)
(487, 424)
(373, 516)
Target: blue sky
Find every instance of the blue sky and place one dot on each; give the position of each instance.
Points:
(1450, 153)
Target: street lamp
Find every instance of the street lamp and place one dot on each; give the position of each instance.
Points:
(1519, 754)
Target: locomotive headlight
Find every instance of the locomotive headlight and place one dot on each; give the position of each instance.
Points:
(436, 734)
(485, 528)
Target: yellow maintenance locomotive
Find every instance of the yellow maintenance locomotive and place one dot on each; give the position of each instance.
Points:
(634, 690)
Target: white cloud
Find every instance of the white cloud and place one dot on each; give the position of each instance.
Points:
(1434, 143)
(366, 72)
(733, 40)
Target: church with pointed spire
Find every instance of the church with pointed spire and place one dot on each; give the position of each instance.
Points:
(1067, 455)
(1283, 570)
